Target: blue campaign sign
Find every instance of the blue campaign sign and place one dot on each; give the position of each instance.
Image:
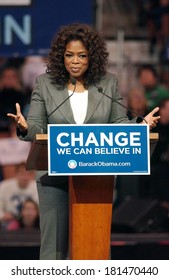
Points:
(28, 26)
(98, 149)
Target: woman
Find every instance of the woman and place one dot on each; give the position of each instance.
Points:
(29, 217)
(77, 63)
(137, 103)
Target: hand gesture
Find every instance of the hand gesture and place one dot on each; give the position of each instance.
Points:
(151, 119)
(19, 119)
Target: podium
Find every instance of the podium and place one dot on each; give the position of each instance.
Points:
(91, 205)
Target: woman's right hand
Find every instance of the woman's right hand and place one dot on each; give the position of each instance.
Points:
(19, 119)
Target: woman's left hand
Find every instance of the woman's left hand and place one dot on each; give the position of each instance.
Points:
(151, 119)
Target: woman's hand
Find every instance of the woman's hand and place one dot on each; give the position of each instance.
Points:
(19, 119)
(151, 119)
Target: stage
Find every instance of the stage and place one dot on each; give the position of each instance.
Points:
(24, 245)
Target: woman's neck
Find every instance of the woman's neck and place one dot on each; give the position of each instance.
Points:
(79, 86)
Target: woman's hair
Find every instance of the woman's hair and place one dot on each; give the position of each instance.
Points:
(93, 42)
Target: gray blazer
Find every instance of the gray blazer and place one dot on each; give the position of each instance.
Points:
(46, 97)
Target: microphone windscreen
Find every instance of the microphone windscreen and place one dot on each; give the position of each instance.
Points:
(100, 89)
(73, 81)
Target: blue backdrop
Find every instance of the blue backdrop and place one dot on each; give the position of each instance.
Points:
(29, 29)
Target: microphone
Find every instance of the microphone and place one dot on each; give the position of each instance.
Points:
(140, 118)
(73, 81)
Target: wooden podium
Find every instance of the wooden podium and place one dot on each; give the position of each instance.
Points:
(91, 205)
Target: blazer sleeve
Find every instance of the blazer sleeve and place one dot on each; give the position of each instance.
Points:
(37, 116)
(118, 113)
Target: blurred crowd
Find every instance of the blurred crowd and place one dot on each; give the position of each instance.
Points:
(18, 192)
(154, 16)
(151, 90)
(149, 93)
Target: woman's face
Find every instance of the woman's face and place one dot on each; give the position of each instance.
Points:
(76, 59)
(10, 79)
(29, 213)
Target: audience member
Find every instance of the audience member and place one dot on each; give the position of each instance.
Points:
(154, 91)
(31, 68)
(128, 185)
(12, 152)
(10, 79)
(164, 52)
(11, 92)
(162, 149)
(3, 62)
(137, 103)
(157, 20)
(157, 184)
(28, 218)
(14, 191)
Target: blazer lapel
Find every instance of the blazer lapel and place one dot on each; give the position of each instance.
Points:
(59, 97)
(93, 100)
